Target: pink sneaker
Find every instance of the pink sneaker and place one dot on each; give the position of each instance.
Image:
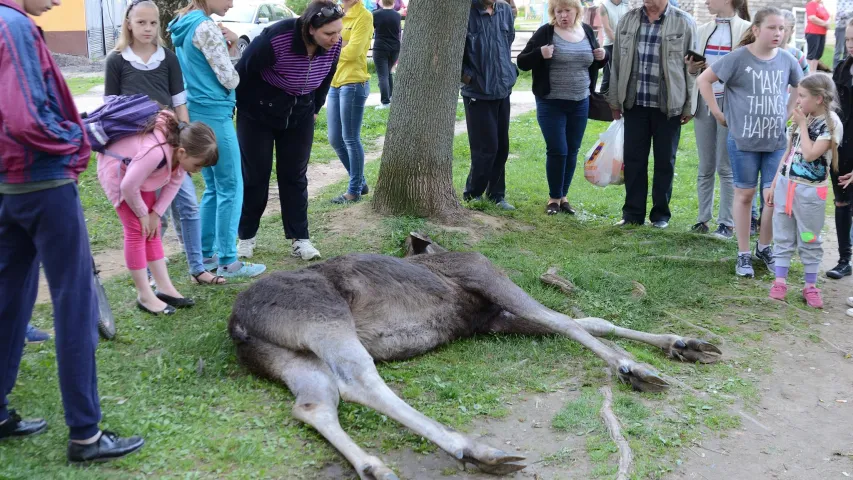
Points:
(778, 291)
(812, 297)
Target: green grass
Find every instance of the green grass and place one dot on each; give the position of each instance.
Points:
(81, 85)
(220, 422)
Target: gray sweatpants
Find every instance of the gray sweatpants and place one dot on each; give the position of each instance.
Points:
(800, 231)
(713, 159)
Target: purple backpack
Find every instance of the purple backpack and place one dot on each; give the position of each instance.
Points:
(119, 117)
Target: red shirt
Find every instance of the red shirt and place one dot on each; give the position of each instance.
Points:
(819, 11)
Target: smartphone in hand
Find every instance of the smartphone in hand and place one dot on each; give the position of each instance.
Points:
(695, 56)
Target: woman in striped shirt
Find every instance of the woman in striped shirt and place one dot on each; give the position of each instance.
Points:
(285, 76)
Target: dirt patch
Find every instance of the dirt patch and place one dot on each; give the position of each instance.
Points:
(77, 66)
(800, 429)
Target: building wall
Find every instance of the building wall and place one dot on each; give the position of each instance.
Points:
(65, 28)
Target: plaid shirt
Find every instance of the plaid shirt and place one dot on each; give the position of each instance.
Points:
(649, 63)
(845, 12)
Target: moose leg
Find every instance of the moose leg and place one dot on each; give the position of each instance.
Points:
(676, 346)
(359, 381)
(477, 274)
(314, 386)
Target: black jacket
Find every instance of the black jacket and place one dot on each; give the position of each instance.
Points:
(531, 59)
(844, 84)
(488, 53)
(265, 102)
(386, 24)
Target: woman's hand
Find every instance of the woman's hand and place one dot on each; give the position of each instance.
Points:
(230, 36)
(692, 66)
(598, 54)
(548, 52)
(153, 221)
(845, 180)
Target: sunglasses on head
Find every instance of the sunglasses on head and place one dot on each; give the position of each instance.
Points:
(330, 12)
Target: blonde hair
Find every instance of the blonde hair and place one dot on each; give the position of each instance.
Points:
(194, 5)
(821, 85)
(757, 21)
(553, 5)
(125, 38)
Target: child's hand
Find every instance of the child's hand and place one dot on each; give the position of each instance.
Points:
(768, 195)
(143, 225)
(845, 179)
(153, 221)
(721, 119)
(798, 117)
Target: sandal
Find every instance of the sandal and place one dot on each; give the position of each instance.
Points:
(216, 280)
(552, 208)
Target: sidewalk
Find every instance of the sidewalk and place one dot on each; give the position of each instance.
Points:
(94, 99)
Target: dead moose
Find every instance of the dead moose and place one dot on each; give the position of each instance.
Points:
(320, 329)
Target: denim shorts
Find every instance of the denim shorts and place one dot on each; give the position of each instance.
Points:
(747, 165)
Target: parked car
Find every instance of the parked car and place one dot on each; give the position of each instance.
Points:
(249, 19)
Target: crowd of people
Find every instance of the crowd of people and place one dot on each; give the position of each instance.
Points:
(766, 123)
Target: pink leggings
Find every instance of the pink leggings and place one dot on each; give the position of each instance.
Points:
(138, 250)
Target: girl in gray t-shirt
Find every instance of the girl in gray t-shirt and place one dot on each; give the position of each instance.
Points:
(756, 75)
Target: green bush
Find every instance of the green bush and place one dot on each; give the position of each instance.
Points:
(298, 6)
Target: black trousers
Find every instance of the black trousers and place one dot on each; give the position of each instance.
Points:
(605, 81)
(645, 126)
(292, 151)
(488, 137)
(384, 61)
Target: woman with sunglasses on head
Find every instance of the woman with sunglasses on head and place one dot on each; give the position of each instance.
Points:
(140, 64)
(285, 76)
(349, 92)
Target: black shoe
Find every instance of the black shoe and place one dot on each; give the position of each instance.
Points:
(175, 301)
(364, 189)
(566, 207)
(841, 270)
(109, 447)
(169, 310)
(16, 427)
(700, 227)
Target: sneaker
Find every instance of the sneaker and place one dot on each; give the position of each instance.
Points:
(34, 335)
(108, 447)
(304, 250)
(246, 270)
(743, 267)
(504, 205)
(849, 312)
(753, 227)
(778, 291)
(850, 301)
(700, 227)
(812, 297)
(383, 106)
(17, 427)
(245, 248)
(766, 256)
(841, 270)
(661, 224)
(365, 189)
(343, 200)
(724, 232)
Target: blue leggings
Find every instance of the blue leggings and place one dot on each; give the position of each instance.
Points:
(222, 200)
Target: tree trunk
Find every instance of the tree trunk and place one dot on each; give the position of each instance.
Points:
(416, 174)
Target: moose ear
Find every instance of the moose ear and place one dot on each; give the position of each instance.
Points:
(419, 243)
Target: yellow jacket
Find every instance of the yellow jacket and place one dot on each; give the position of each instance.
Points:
(357, 33)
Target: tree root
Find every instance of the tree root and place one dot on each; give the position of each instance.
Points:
(626, 457)
(678, 258)
(551, 278)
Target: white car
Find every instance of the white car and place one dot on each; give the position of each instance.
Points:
(248, 20)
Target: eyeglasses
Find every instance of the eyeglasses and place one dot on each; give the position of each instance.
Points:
(330, 12)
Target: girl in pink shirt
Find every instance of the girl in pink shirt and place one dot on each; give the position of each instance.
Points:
(157, 158)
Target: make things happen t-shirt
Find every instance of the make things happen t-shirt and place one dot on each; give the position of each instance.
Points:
(756, 97)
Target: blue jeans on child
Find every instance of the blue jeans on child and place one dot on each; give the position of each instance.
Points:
(563, 123)
(185, 213)
(747, 165)
(344, 114)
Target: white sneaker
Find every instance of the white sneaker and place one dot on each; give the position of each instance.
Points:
(304, 250)
(245, 248)
(850, 303)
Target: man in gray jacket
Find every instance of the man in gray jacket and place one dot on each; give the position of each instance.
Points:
(650, 84)
(488, 75)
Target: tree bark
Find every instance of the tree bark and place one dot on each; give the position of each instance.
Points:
(416, 173)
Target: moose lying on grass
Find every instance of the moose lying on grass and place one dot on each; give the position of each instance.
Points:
(320, 329)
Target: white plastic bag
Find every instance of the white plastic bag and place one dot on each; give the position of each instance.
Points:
(604, 165)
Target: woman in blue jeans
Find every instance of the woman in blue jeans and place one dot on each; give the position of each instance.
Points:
(565, 57)
(350, 88)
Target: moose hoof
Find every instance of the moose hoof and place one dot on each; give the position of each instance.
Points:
(642, 377)
(491, 460)
(693, 350)
(378, 471)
